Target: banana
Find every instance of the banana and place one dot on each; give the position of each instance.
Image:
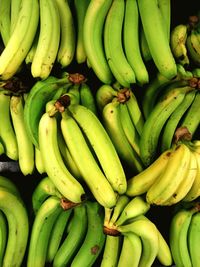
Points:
(2, 150)
(157, 38)
(7, 133)
(135, 207)
(173, 175)
(66, 50)
(186, 184)
(174, 120)
(148, 233)
(30, 55)
(105, 94)
(57, 234)
(39, 165)
(193, 239)
(74, 239)
(196, 72)
(116, 58)
(5, 20)
(193, 46)
(95, 238)
(48, 40)
(18, 227)
(165, 9)
(111, 251)
(3, 235)
(129, 128)
(20, 40)
(178, 237)
(93, 28)
(140, 183)
(85, 161)
(145, 52)
(14, 13)
(178, 39)
(25, 146)
(131, 250)
(40, 93)
(41, 231)
(190, 120)
(194, 191)
(135, 112)
(9, 185)
(80, 8)
(131, 42)
(103, 147)
(55, 168)
(112, 123)
(87, 98)
(42, 191)
(168, 102)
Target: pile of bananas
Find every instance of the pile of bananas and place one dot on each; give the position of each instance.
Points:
(110, 126)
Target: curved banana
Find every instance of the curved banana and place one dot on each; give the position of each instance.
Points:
(112, 123)
(5, 21)
(131, 250)
(41, 231)
(9, 185)
(42, 191)
(14, 13)
(80, 8)
(157, 38)
(93, 28)
(48, 40)
(165, 9)
(148, 233)
(3, 235)
(193, 47)
(57, 234)
(55, 168)
(111, 251)
(174, 120)
(18, 227)
(193, 239)
(178, 39)
(103, 146)
(178, 237)
(66, 50)
(135, 207)
(131, 42)
(20, 40)
(169, 101)
(129, 128)
(140, 183)
(87, 98)
(86, 162)
(74, 239)
(7, 133)
(118, 63)
(25, 146)
(173, 175)
(104, 94)
(39, 165)
(95, 238)
(145, 52)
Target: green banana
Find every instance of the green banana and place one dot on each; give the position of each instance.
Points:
(95, 238)
(168, 102)
(118, 63)
(193, 46)
(86, 162)
(131, 42)
(39, 166)
(41, 231)
(25, 146)
(87, 98)
(20, 40)
(5, 20)
(157, 39)
(93, 28)
(66, 49)
(165, 9)
(3, 236)
(103, 147)
(14, 13)
(74, 239)
(55, 168)
(104, 94)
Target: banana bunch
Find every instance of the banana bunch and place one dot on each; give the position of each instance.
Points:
(184, 235)
(167, 105)
(123, 120)
(171, 178)
(185, 42)
(63, 233)
(14, 224)
(131, 238)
